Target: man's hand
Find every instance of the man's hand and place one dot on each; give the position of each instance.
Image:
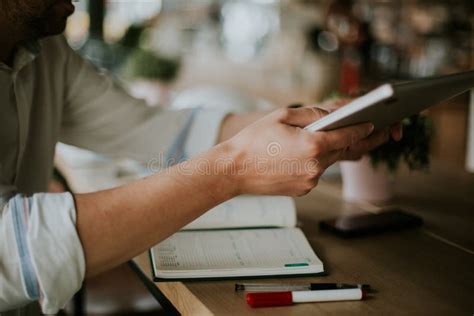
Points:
(275, 155)
(357, 151)
(234, 123)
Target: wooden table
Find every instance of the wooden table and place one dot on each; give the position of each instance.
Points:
(428, 271)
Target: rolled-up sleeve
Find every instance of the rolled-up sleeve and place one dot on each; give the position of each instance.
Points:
(101, 116)
(41, 257)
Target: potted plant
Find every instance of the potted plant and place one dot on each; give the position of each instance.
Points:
(371, 178)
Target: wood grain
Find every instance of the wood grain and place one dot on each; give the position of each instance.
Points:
(176, 292)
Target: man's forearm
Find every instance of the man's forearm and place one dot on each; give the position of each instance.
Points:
(118, 224)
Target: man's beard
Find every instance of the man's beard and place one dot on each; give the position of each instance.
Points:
(40, 27)
(50, 22)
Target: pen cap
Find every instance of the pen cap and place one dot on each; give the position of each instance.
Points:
(269, 299)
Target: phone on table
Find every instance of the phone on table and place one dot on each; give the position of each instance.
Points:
(371, 223)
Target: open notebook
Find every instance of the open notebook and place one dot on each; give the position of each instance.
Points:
(248, 236)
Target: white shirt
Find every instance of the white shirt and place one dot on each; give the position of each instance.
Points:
(49, 95)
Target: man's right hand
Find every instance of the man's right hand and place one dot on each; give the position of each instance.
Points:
(276, 156)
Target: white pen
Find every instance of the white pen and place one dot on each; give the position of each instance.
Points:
(267, 299)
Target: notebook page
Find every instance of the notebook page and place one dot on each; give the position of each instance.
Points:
(249, 211)
(235, 253)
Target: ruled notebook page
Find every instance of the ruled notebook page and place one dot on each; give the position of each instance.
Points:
(230, 253)
(249, 211)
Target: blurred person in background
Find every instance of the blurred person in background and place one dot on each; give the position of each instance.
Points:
(50, 242)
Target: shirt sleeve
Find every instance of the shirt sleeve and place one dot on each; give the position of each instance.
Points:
(100, 116)
(41, 257)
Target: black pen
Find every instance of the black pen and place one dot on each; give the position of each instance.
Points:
(269, 287)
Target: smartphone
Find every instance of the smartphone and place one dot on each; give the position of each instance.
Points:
(371, 223)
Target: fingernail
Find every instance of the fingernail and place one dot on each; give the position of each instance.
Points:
(295, 106)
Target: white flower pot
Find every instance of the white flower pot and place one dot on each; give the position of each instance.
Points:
(361, 182)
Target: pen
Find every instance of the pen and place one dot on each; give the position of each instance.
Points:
(298, 287)
(289, 298)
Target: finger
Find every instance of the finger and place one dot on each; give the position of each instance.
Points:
(352, 157)
(396, 131)
(364, 146)
(300, 117)
(333, 157)
(357, 150)
(334, 104)
(343, 137)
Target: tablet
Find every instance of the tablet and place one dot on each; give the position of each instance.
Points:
(391, 103)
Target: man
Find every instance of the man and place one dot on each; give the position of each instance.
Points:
(50, 242)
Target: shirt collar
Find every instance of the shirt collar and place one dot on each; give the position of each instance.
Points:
(25, 54)
(34, 47)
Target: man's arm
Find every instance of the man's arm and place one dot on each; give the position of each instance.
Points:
(41, 257)
(116, 225)
(99, 115)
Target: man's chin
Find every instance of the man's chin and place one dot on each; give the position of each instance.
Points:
(54, 27)
(53, 21)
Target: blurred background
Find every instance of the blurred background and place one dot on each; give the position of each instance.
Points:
(255, 54)
(246, 55)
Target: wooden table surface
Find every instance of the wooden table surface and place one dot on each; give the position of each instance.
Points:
(427, 271)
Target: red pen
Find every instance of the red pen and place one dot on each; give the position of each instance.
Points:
(268, 299)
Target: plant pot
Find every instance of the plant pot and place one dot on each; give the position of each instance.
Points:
(362, 182)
